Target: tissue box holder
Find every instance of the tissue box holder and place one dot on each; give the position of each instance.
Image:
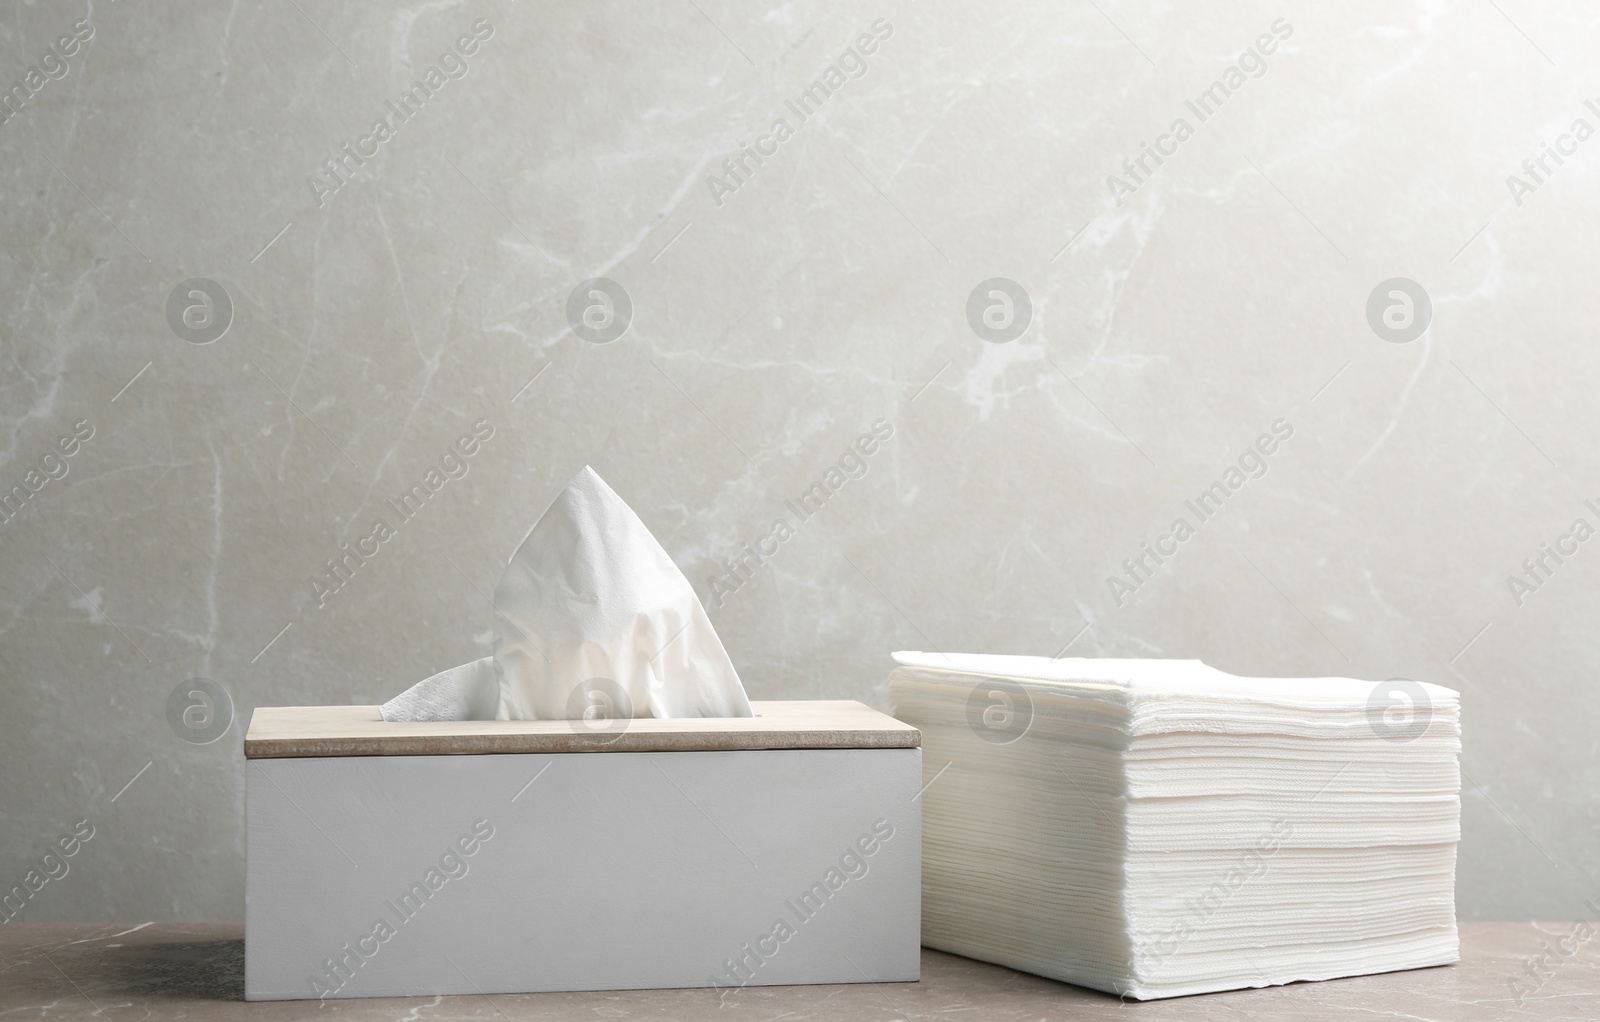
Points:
(388, 859)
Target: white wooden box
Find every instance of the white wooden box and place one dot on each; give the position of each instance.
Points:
(390, 859)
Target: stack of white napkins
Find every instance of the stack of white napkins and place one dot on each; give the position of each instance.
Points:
(1155, 828)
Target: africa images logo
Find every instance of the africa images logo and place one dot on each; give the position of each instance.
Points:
(741, 166)
(52, 67)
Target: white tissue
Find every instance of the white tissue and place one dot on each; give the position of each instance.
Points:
(594, 620)
(1160, 828)
(468, 692)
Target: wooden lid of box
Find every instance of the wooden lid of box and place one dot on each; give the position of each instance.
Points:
(279, 732)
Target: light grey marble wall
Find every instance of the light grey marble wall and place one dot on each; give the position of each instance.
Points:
(380, 310)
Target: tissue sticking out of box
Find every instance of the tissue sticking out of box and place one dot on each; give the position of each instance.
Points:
(592, 619)
(468, 692)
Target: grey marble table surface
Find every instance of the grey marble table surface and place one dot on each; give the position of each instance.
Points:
(196, 971)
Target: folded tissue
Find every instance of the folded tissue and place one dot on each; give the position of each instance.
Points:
(1160, 828)
(593, 621)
